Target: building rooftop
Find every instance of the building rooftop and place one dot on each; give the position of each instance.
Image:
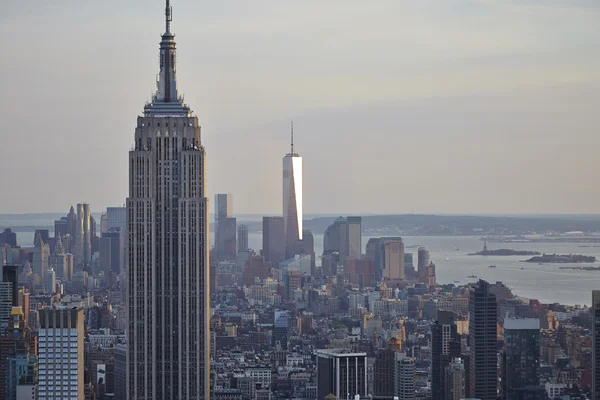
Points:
(521, 323)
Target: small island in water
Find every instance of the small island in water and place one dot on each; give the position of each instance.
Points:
(562, 258)
(504, 252)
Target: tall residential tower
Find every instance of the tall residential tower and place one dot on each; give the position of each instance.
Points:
(292, 199)
(168, 267)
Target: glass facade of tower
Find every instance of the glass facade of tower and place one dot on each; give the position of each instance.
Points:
(292, 202)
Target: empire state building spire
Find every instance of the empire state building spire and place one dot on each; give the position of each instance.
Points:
(168, 17)
(166, 100)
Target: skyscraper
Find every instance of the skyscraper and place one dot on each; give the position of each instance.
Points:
(51, 283)
(384, 370)
(58, 260)
(335, 238)
(242, 238)
(354, 226)
(292, 199)
(455, 380)
(423, 261)
(168, 268)
(404, 377)
(393, 258)
(596, 345)
(521, 358)
(40, 257)
(111, 252)
(84, 222)
(225, 226)
(445, 346)
(78, 249)
(280, 329)
(60, 227)
(60, 370)
(482, 332)
(273, 240)
(72, 222)
(341, 373)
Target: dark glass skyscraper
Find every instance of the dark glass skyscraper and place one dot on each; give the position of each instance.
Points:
(483, 372)
(521, 358)
(445, 346)
(167, 226)
(273, 239)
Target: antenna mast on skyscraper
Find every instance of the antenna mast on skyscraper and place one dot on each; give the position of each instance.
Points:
(292, 138)
(168, 16)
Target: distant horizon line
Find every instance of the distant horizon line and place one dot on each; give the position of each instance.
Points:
(371, 214)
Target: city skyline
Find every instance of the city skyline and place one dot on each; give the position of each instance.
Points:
(506, 102)
(335, 281)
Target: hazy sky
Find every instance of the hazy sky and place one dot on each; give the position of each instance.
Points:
(425, 106)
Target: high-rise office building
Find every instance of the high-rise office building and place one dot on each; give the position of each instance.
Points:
(242, 238)
(41, 255)
(384, 370)
(393, 258)
(61, 227)
(228, 246)
(423, 261)
(292, 199)
(521, 358)
(354, 226)
(409, 267)
(445, 346)
(78, 251)
(306, 246)
(71, 222)
(168, 252)
(223, 222)
(341, 373)
(388, 255)
(8, 237)
(51, 284)
(61, 362)
(335, 238)
(87, 233)
(483, 342)
(280, 329)
(273, 240)
(9, 296)
(431, 276)
(120, 372)
(455, 380)
(404, 377)
(111, 252)
(596, 345)
(58, 260)
(69, 263)
(116, 217)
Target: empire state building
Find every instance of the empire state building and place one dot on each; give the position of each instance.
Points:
(167, 221)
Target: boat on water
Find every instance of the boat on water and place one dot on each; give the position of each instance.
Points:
(447, 259)
(456, 281)
(472, 276)
(522, 268)
(492, 266)
(456, 248)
